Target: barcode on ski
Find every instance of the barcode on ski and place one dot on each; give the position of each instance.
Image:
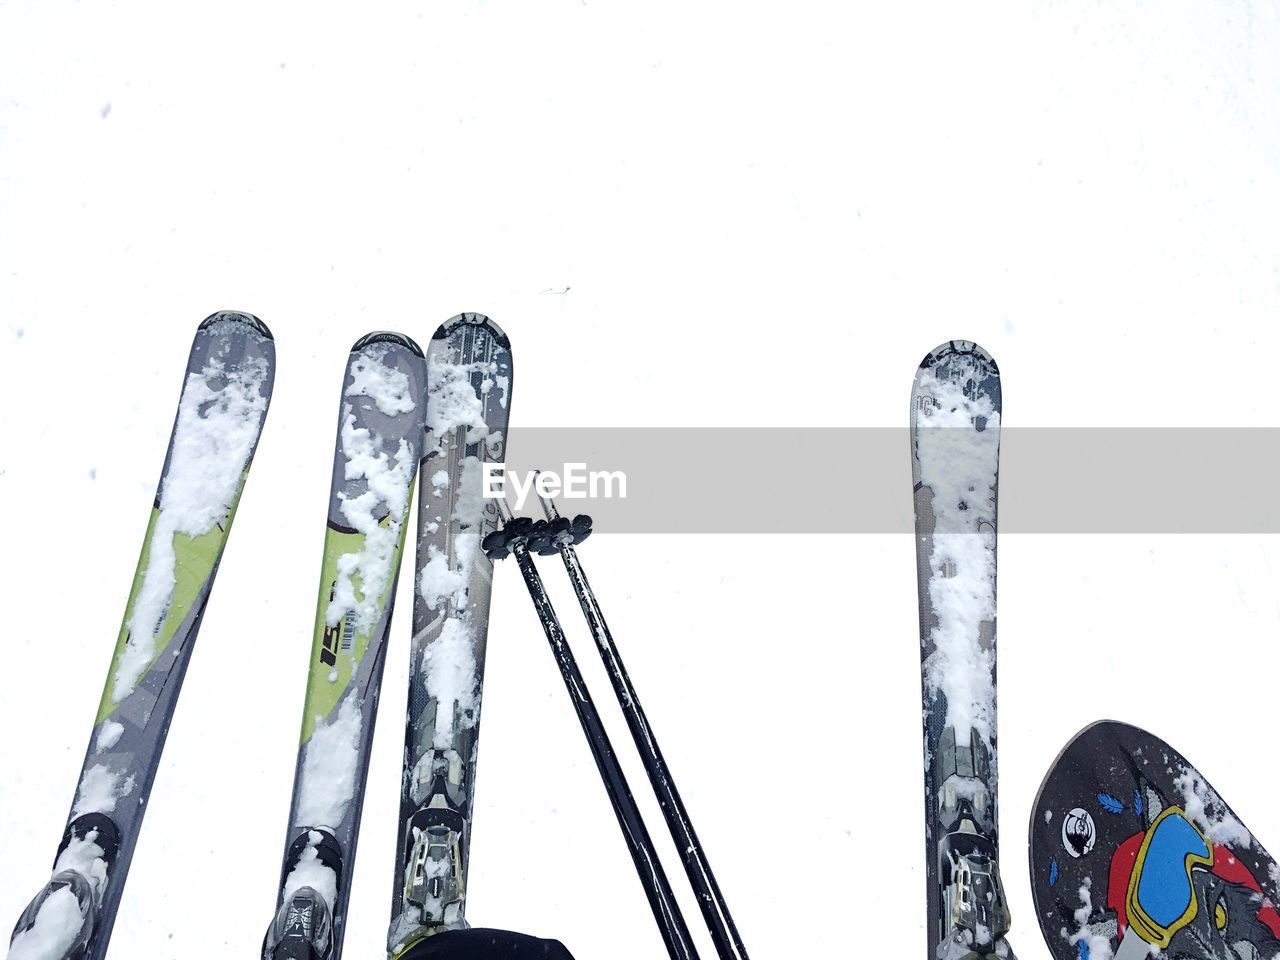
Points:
(349, 630)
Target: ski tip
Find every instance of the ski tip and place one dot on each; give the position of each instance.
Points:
(473, 320)
(237, 316)
(1114, 730)
(386, 336)
(1037, 806)
(954, 349)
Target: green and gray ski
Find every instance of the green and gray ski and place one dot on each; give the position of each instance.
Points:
(468, 396)
(225, 394)
(379, 444)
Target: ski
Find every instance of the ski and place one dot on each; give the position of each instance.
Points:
(225, 394)
(379, 443)
(559, 535)
(955, 457)
(515, 538)
(468, 400)
(1134, 854)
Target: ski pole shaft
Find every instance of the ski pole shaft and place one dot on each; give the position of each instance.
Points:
(715, 911)
(666, 912)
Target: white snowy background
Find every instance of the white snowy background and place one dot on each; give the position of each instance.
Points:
(763, 215)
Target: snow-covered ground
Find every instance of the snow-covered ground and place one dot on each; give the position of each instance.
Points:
(704, 213)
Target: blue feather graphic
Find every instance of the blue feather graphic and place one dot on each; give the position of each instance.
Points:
(1053, 872)
(1110, 803)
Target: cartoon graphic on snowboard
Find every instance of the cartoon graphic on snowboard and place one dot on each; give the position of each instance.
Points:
(1134, 855)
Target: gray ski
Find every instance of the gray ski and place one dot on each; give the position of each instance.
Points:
(955, 458)
(225, 394)
(468, 396)
(376, 456)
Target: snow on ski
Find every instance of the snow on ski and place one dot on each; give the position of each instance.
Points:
(468, 399)
(955, 458)
(225, 395)
(378, 447)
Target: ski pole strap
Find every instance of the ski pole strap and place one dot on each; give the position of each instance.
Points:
(1161, 898)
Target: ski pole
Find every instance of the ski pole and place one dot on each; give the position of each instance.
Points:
(513, 538)
(561, 537)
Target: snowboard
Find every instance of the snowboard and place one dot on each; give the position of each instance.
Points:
(955, 460)
(1133, 851)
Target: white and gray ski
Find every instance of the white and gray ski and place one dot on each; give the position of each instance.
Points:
(225, 394)
(379, 445)
(468, 398)
(955, 458)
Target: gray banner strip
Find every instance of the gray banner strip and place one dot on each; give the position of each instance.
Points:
(858, 480)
